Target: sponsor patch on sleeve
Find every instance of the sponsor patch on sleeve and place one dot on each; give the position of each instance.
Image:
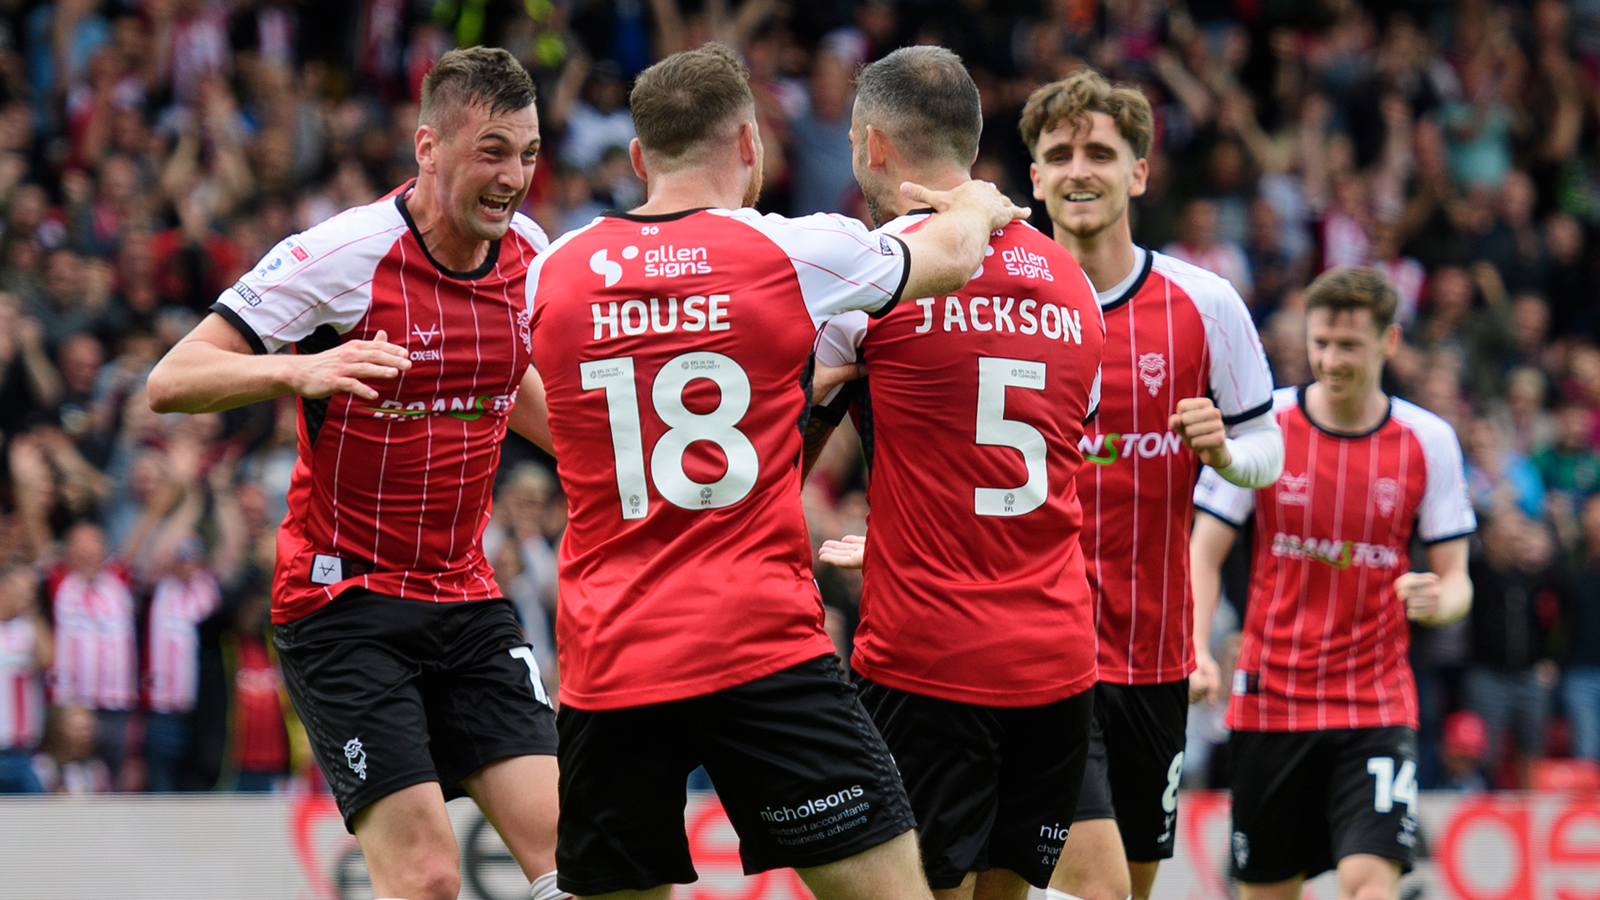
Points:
(250, 297)
(289, 255)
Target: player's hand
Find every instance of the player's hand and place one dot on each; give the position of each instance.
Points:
(825, 378)
(848, 552)
(1205, 682)
(1420, 593)
(347, 367)
(1198, 423)
(980, 196)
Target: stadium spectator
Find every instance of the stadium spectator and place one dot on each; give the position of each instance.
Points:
(1581, 680)
(71, 762)
(25, 648)
(96, 659)
(1464, 751)
(1510, 676)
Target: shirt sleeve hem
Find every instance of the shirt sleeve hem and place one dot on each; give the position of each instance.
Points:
(239, 324)
(1429, 542)
(1249, 414)
(905, 277)
(1218, 516)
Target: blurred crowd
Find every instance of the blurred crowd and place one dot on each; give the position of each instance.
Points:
(152, 150)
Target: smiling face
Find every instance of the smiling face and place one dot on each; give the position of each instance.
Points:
(1085, 173)
(484, 167)
(1347, 351)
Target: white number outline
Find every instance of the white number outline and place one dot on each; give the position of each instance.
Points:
(995, 374)
(526, 655)
(684, 427)
(1391, 787)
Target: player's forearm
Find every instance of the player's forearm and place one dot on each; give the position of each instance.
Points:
(199, 377)
(530, 417)
(1209, 543)
(946, 253)
(1455, 598)
(1256, 450)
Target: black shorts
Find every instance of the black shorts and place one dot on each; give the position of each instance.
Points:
(803, 775)
(992, 787)
(1303, 800)
(1135, 764)
(397, 692)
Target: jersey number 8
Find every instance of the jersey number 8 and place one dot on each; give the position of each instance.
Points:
(684, 427)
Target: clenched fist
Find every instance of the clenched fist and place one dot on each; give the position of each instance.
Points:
(1198, 424)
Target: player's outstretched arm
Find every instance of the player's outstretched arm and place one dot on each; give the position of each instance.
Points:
(819, 428)
(1442, 595)
(949, 248)
(530, 417)
(212, 369)
(1209, 543)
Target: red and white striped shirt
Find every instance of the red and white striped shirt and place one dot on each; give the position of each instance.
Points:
(1177, 332)
(21, 685)
(96, 659)
(177, 607)
(1325, 637)
(392, 494)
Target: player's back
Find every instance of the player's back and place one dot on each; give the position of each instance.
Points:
(673, 351)
(973, 407)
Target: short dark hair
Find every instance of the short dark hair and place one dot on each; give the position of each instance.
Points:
(1074, 98)
(1351, 288)
(926, 100)
(482, 76)
(680, 103)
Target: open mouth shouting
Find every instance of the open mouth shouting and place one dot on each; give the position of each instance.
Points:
(495, 206)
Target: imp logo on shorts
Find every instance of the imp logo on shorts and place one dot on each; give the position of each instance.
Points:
(356, 757)
(1241, 849)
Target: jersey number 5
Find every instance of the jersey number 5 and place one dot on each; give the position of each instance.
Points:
(684, 427)
(995, 374)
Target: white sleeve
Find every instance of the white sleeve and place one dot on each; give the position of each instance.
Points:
(318, 277)
(1228, 502)
(841, 265)
(1446, 510)
(840, 343)
(1256, 446)
(1240, 379)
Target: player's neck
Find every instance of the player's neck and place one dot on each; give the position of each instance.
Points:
(448, 244)
(940, 178)
(1107, 256)
(1359, 414)
(693, 188)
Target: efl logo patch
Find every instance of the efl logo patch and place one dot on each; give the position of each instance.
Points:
(289, 255)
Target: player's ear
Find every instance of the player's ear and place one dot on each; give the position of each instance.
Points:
(636, 157)
(1038, 186)
(1391, 340)
(427, 142)
(1141, 176)
(877, 148)
(749, 144)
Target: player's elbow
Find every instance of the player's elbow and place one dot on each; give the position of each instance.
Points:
(161, 389)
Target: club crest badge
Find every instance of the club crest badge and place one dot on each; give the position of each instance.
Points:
(1153, 371)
